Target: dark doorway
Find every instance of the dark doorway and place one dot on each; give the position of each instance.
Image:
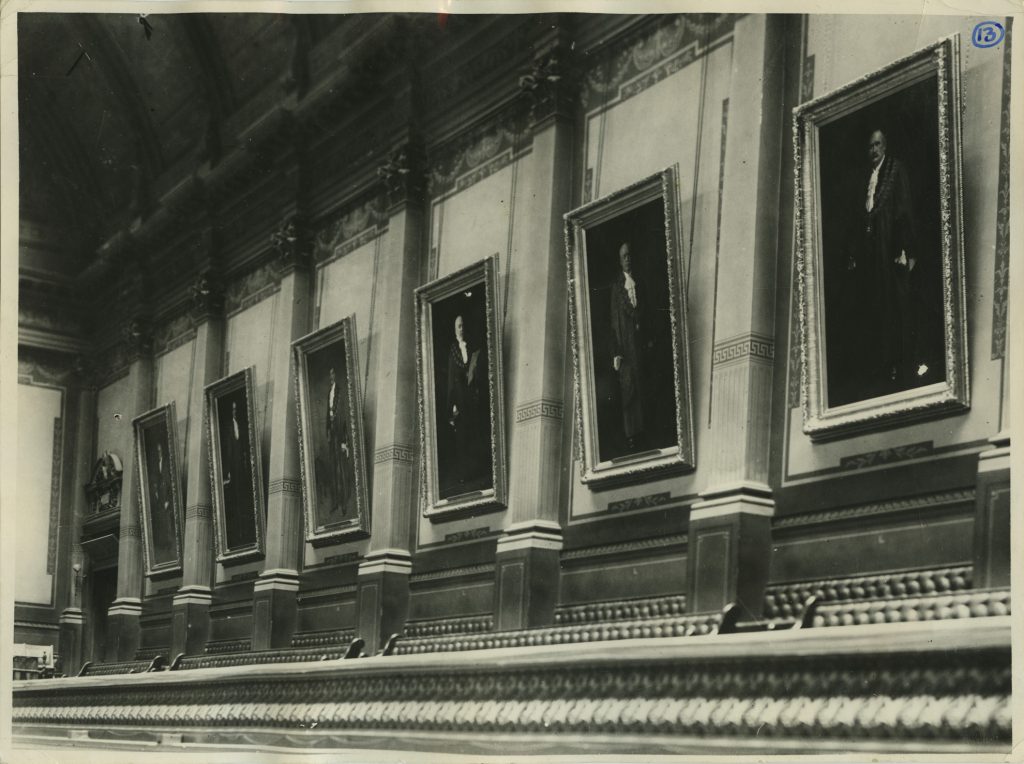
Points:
(101, 594)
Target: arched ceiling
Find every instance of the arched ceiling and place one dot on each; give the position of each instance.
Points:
(113, 111)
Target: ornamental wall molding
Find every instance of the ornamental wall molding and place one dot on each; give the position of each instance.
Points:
(752, 345)
(661, 542)
(961, 496)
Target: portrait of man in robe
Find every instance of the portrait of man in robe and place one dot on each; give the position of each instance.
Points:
(236, 457)
(881, 247)
(630, 330)
(327, 384)
(333, 450)
(463, 394)
(160, 487)
(236, 470)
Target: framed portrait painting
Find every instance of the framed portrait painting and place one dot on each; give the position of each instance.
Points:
(883, 334)
(458, 356)
(237, 481)
(156, 453)
(629, 333)
(333, 456)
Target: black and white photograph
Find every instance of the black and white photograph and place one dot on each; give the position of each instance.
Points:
(883, 288)
(574, 381)
(629, 310)
(459, 354)
(236, 475)
(160, 488)
(331, 433)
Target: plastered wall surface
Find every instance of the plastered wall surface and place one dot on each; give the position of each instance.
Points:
(38, 407)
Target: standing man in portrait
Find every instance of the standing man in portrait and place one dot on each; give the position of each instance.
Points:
(237, 473)
(339, 453)
(631, 342)
(467, 410)
(161, 501)
(885, 263)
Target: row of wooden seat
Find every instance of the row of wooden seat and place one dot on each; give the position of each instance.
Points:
(816, 612)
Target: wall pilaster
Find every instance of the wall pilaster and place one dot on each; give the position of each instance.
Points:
(190, 618)
(526, 569)
(275, 605)
(383, 589)
(730, 526)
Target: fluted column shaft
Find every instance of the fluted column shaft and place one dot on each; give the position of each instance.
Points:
(124, 613)
(190, 626)
(274, 594)
(383, 581)
(730, 527)
(72, 617)
(527, 561)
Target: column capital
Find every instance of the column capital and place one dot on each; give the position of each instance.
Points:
(87, 371)
(549, 84)
(403, 175)
(137, 338)
(292, 242)
(207, 292)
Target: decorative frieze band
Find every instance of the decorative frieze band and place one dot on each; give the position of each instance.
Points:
(479, 154)
(253, 287)
(542, 408)
(32, 371)
(673, 45)
(745, 346)
(129, 531)
(396, 452)
(285, 485)
(350, 230)
(173, 334)
(641, 502)
(468, 535)
(203, 511)
(886, 455)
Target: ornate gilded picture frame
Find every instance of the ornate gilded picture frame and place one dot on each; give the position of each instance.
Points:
(331, 439)
(239, 513)
(461, 410)
(156, 454)
(879, 260)
(631, 367)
